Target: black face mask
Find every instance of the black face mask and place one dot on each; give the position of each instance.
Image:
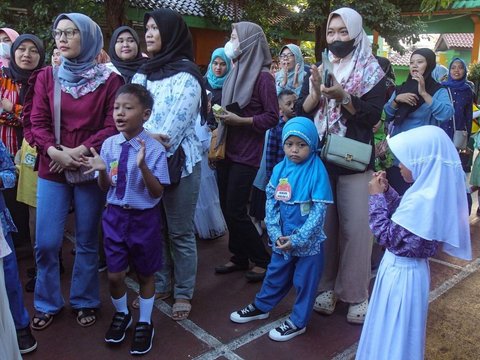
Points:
(341, 48)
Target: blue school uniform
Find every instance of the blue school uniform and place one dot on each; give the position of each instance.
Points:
(297, 198)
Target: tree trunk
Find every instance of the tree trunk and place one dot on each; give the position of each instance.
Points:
(320, 28)
(114, 16)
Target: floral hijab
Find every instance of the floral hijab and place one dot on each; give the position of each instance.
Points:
(358, 73)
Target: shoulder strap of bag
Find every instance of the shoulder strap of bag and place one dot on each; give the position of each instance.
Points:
(57, 100)
(453, 117)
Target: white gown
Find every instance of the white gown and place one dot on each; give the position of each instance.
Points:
(209, 221)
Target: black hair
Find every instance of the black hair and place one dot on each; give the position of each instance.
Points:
(142, 94)
(285, 92)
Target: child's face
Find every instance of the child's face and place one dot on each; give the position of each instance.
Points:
(296, 149)
(129, 115)
(287, 106)
(406, 173)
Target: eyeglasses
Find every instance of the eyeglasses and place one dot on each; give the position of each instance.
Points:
(69, 33)
(287, 56)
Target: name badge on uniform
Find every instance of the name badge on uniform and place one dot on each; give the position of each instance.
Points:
(283, 192)
(114, 172)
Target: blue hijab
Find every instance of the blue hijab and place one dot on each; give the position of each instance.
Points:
(308, 180)
(91, 41)
(461, 84)
(214, 81)
(439, 72)
(291, 74)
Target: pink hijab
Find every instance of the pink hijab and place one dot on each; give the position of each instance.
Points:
(12, 34)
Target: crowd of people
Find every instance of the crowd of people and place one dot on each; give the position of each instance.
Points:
(123, 139)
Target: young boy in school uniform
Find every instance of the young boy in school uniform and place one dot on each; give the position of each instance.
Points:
(132, 167)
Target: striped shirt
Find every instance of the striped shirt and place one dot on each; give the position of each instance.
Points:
(136, 193)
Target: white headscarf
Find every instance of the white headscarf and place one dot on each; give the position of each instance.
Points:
(435, 206)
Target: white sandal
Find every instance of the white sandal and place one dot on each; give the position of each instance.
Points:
(357, 312)
(325, 302)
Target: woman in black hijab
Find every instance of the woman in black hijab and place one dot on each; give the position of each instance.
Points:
(418, 101)
(180, 98)
(125, 52)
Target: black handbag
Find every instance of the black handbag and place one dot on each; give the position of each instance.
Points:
(175, 163)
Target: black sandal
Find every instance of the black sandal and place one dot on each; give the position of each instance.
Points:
(83, 314)
(38, 318)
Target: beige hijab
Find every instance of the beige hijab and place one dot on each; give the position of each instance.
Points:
(254, 58)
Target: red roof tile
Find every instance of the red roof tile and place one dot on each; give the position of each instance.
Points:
(401, 60)
(454, 41)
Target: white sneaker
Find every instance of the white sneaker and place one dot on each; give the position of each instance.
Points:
(325, 302)
(247, 314)
(286, 331)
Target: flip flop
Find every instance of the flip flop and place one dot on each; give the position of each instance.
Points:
(83, 314)
(158, 296)
(181, 307)
(39, 317)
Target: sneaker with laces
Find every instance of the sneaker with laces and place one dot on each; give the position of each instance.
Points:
(286, 331)
(26, 341)
(249, 313)
(142, 338)
(120, 323)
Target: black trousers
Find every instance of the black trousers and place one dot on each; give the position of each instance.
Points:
(234, 185)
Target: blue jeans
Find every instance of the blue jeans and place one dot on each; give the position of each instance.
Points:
(180, 246)
(53, 203)
(14, 287)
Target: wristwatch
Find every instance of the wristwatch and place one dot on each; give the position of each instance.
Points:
(346, 100)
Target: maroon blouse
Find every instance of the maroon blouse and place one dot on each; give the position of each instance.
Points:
(87, 120)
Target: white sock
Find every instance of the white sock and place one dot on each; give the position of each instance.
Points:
(121, 304)
(146, 307)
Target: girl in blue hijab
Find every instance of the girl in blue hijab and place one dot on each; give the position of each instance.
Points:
(297, 197)
(292, 69)
(218, 69)
(462, 98)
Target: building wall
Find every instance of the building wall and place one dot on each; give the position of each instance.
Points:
(205, 41)
(445, 57)
(401, 73)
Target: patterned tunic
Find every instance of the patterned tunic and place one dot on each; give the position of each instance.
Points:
(395, 238)
(174, 113)
(10, 120)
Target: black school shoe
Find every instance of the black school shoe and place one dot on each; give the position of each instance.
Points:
(286, 331)
(120, 323)
(247, 314)
(142, 338)
(26, 341)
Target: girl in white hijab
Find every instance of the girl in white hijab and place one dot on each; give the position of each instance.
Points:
(432, 214)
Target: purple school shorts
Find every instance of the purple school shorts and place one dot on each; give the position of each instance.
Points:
(132, 235)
